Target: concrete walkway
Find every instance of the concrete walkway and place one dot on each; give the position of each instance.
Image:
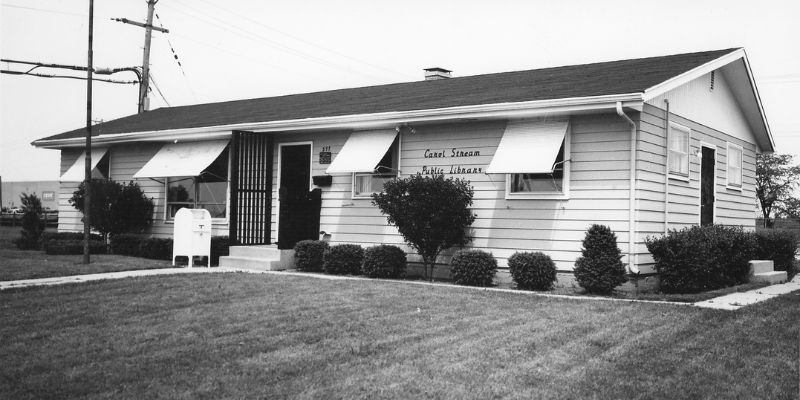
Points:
(733, 301)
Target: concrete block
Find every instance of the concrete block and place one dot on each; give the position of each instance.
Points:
(770, 277)
(761, 266)
(266, 252)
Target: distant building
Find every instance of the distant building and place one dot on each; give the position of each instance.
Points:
(46, 190)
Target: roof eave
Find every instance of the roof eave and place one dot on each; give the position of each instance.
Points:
(368, 121)
(706, 68)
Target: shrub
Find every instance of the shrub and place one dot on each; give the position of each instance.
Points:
(115, 208)
(702, 258)
(220, 246)
(126, 244)
(778, 246)
(156, 249)
(343, 259)
(73, 247)
(32, 222)
(47, 237)
(599, 269)
(532, 271)
(473, 268)
(384, 261)
(308, 255)
(431, 212)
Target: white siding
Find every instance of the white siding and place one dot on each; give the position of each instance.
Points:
(125, 160)
(717, 109)
(732, 207)
(598, 189)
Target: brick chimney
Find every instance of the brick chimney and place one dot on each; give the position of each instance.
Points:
(435, 73)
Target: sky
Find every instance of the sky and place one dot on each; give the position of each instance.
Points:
(241, 49)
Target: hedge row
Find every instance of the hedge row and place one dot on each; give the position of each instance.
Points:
(711, 257)
(160, 248)
(381, 261)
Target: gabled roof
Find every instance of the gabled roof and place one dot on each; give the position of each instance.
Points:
(576, 81)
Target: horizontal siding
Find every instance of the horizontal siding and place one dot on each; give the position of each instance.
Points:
(598, 189)
(731, 207)
(125, 160)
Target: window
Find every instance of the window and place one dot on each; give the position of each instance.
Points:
(541, 182)
(365, 184)
(209, 190)
(679, 150)
(734, 166)
(103, 168)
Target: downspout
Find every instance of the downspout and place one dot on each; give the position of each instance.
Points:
(632, 191)
(666, 172)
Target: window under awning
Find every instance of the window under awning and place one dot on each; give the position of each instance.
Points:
(529, 146)
(76, 172)
(182, 159)
(362, 152)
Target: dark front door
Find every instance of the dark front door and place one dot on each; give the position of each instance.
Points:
(707, 169)
(298, 217)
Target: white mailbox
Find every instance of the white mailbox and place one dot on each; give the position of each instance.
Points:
(192, 234)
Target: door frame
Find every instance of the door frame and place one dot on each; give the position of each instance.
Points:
(278, 184)
(700, 185)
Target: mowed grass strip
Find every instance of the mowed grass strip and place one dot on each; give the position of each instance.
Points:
(33, 264)
(259, 336)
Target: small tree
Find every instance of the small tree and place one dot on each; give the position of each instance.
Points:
(776, 179)
(32, 223)
(431, 212)
(600, 269)
(115, 208)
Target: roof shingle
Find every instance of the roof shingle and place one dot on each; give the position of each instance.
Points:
(586, 80)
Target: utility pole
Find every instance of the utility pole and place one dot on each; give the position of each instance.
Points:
(144, 103)
(87, 173)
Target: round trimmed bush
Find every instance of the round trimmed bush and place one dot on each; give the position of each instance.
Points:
(600, 269)
(343, 259)
(384, 261)
(473, 268)
(308, 255)
(532, 271)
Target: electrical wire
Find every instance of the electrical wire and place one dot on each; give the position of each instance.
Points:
(263, 40)
(177, 60)
(153, 79)
(5, 71)
(299, 39)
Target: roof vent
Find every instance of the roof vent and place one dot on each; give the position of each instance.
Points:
(436, 73)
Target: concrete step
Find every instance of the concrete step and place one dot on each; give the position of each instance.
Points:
(266, 252)
(250, 263)
(761, 266)
(772, 277)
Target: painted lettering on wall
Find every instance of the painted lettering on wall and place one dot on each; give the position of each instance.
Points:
(453, 152)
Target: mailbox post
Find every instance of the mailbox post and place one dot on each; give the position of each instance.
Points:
(192, 234)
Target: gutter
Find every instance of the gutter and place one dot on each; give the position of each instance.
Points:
(632, 190)
(371, 121)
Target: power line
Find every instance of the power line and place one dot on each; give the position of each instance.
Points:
(153, 78)
(45, 10)
(266, 41)
(177, 60)
(299, 39)
(5, 71)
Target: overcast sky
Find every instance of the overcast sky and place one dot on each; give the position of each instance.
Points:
(240, 49)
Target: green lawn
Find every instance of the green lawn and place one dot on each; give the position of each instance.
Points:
(270, 336)
(30, 264)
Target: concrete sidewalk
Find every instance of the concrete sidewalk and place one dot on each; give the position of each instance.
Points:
(735, 301)
(60, 280)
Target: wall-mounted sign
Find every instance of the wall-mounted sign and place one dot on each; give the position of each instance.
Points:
(325, 155)
(48, 196)
(457, 169)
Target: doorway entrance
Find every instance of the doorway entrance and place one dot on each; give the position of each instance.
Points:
(707, 185)
(298, 207)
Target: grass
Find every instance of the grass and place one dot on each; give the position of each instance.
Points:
(268, 336)
(30, 264)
